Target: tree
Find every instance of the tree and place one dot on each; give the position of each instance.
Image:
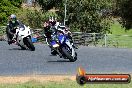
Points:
(123, 10)
(49, 4)
(88, 15)
(16, 3)
(7, 7)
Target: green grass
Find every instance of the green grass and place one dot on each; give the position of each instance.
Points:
(120, 41)
(65, 84)
(2, 30)
(120, 37)
(116, 29)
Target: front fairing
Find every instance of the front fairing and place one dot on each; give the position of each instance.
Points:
(54, 44)
(61, 38)
(24, 32)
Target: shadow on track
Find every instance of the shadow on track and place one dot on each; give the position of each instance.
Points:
(58, 61)
(16, 49)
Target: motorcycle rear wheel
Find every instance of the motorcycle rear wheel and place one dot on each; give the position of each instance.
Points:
(23, 48)
(29, 44)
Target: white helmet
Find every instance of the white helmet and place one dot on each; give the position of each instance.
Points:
(13, 18)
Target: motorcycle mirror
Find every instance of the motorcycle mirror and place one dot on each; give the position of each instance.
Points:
(28, 27)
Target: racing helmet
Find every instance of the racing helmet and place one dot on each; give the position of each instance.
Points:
(13, 18)
(52, 21)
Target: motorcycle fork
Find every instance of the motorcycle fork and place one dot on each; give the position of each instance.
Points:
(58, 51)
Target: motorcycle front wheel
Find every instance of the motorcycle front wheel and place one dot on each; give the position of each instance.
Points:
(68, 55)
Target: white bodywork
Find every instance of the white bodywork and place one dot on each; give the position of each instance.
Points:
(71, 47)
(21, 33)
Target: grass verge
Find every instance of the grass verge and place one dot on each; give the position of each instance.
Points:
(120, 37)
(65, 82)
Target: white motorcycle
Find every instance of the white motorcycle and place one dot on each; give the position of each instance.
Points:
(22, 38)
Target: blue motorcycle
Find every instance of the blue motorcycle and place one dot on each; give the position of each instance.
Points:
(62, 46)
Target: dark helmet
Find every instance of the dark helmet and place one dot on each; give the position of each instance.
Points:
(52, 20)
(13, 18)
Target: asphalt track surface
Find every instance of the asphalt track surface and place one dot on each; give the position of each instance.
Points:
(14, 61)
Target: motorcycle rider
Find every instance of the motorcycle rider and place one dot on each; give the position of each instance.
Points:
(66, 31)
(50, 28)
(47, 31)
(11, 27)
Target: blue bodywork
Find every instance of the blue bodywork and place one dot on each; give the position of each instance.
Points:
(61, 38)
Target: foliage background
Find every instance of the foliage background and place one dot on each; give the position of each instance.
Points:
(84, 15)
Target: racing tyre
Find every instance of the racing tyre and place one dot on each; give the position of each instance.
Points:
(29, 44)
(67, 53)
(23, 48)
